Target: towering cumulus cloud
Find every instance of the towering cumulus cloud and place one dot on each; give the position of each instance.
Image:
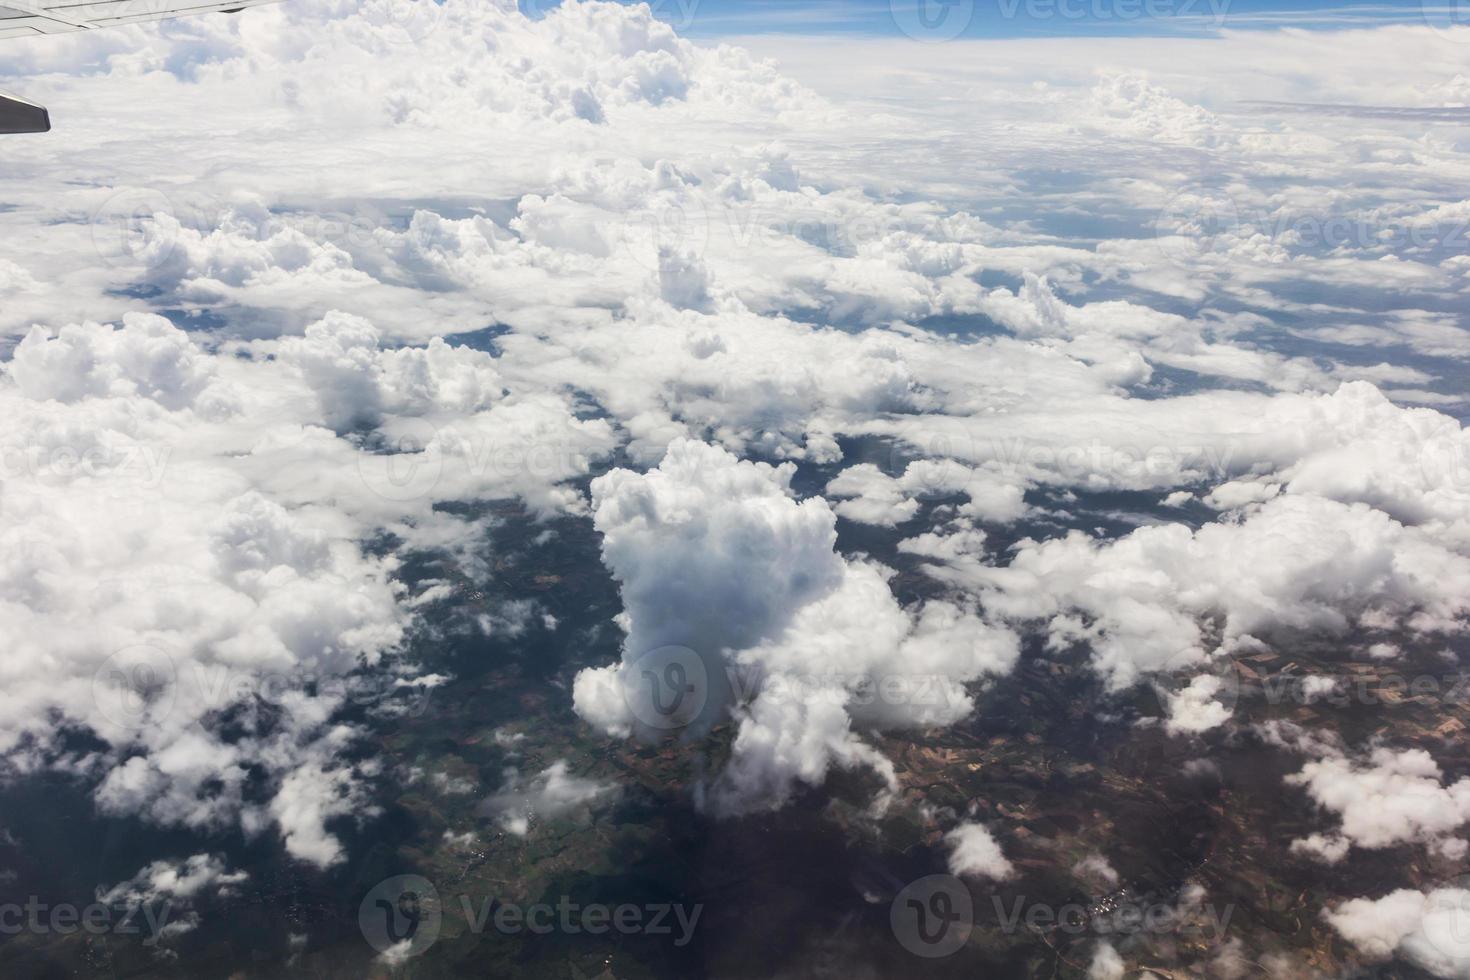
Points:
(805, 648)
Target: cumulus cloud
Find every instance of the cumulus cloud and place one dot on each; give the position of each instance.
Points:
(182, 564)
(146, 357)
(973, 851)
(1096, 871)
(714, 554)
(1390, 798)
(1194, 708)
(1106, 964)
(159, 585)
(1430, 930)
(675, 252)
(166, 879)
(1298, 562)
(177, 887)
(1327, 848)
(872, 497)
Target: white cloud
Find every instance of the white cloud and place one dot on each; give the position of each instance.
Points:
(973, 851)
(1393, 798)
(676, 244)
(552, 793)
(177, 523)
(165, 879)
(1096, 871)
(715, 555)
(875, 498)
(177, 887)
(1297, 562)
(1194, 708)
(1327, 848)
(1430, 930)
(1106, 964)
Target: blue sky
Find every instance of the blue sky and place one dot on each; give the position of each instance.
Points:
(943, 19)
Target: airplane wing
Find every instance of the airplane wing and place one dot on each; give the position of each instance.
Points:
(27, 18)
(32, 18)
(19, 116)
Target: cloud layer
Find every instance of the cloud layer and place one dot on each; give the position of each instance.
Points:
(1183, 400)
